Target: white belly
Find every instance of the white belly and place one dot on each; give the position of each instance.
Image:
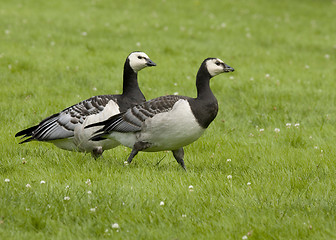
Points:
(165, 131)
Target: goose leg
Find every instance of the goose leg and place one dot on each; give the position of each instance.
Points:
(138, 146)
(97, 152)
(132, 155)
(178, 155)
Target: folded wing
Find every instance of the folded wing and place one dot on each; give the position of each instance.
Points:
(62, 125)
(132, 120)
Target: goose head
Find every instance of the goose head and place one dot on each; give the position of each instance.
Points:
(216, 66)
(139, 60)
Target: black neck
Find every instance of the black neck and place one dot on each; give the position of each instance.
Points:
(130, 84)
(203, 84)
(205, 106)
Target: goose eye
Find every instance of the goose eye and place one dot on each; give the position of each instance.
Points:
(140, 57)
(217, 63)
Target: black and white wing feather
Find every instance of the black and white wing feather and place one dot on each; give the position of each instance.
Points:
(133, 119)
(62, 125)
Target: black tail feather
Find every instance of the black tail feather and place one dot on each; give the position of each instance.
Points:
(97, 124)
(105, 123)
(29, 131)
(107, 127)
(26, 132)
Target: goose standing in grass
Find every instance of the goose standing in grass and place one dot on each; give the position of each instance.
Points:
(168, 122)
(67, 129)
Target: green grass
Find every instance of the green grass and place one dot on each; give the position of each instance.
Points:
(54, 53)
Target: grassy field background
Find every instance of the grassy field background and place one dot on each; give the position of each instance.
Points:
(248, 180)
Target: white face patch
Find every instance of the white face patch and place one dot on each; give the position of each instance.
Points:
(138, 60)
(215, 66)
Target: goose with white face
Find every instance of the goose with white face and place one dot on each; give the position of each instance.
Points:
(66, 129)
(139, 60)
(216, 66)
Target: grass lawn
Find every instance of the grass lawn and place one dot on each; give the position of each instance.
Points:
(252, 176)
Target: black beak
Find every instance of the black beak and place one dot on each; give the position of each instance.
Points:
(150, 63)
(227, 68)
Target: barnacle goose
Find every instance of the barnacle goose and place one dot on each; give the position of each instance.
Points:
(66, 129)
(167, 122)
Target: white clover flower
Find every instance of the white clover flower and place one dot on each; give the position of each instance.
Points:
(89, 192)
(115, 225)
(42, 182)
(7, 180)
(138, 44)
(176, 93)
(94, 89)
(66, 198)
(84, 33)
(267, 75)
(277, 130)
(261, 130)
(229, 176)
(184, 215)
(191, 188)
(93, 209)
(307, 66)
(161, 203)
(231, 77)
(244, 237)
(248, 184)
(88, 181)
(67, 187)
(297, 125)
(126, 163)
(327, 56)
(175, 84)
(316, 147)
(252, 78)
(28, 185)
(228, 160)
(7, 32)
(288, 125)
(310, 137)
